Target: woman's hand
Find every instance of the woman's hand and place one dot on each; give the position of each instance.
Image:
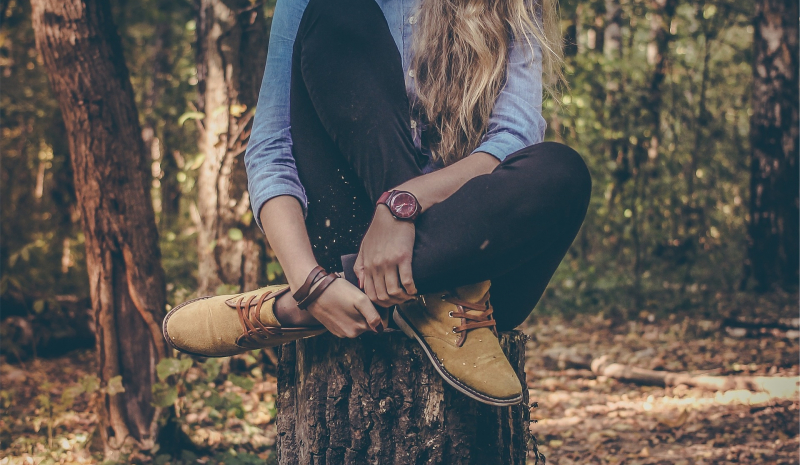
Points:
(345, 310)
(383, 265)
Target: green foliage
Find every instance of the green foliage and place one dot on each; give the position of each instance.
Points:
(172, 366)
(164, 393)
(666, 228)
(41, 247)
(235, 234)
(243, 382)
(194, 115)
(180, 383)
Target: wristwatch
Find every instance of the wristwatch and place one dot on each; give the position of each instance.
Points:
(403, 205)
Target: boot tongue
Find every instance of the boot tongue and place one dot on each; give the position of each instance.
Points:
(267, 315)
(473, 292)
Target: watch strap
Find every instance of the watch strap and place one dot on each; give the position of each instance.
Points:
(384, 198)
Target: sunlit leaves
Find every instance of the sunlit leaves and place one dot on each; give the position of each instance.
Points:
(164, 395)
(172, 366)
(243, 382)
(235, 234)
(190, 115)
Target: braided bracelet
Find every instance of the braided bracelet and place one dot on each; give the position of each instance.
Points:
(317, 275)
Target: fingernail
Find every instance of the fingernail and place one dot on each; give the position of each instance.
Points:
(379, 328)
(360, 284)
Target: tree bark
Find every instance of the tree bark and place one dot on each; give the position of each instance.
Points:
(83, 57)
(773, 229)
(378, 400)
(612, 41)
(155, 85)
(232, 45)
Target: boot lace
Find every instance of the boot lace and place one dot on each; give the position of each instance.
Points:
(255, 331)
(469, 318)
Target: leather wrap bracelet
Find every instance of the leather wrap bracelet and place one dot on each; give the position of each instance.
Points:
(305, 298)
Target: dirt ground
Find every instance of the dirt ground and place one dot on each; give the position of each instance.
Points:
(581, 418)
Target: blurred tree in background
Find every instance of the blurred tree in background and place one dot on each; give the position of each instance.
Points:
(773, 248)
(82, 52)
(231, 52)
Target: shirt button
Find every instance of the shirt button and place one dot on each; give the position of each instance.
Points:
(412, 19)
(413, 124)
(411, 73)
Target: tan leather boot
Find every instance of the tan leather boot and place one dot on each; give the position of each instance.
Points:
(221, 326)
(457, 332)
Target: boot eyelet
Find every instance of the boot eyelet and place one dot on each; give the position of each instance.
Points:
(450, 314)
(454, 330)
(443, 297)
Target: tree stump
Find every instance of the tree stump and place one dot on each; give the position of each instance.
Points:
(378, 400)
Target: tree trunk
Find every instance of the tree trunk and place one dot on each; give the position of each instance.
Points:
(232, 45)
(378, 400)
(84, 60)
(155, 85)
(612, 41)
(773, 243)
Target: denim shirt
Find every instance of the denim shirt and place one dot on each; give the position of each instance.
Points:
(515, 123)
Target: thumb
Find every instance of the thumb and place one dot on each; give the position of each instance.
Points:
(358, 269)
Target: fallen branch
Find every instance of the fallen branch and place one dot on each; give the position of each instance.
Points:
(784, 324)
(785, 328)
(773, 385)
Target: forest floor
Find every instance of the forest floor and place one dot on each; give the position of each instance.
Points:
(581, 418)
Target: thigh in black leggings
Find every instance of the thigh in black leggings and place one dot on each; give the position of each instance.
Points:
(352, 141)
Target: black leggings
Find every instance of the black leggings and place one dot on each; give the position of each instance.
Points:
(350, 126)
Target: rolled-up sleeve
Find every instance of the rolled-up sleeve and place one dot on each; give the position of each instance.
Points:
(271, 170)
(516, 120)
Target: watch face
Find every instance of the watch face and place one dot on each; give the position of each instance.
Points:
(403, 205)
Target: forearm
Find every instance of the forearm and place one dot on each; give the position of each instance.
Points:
(435, 187)
(282, 219)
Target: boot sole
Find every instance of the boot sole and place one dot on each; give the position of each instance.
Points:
(411, 332)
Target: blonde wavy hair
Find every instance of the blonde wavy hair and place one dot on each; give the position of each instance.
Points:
(460, 57)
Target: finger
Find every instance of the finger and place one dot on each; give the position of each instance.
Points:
(358, 269)
(370, 313)
(369, 288)
(404, 269)
(380, 289)
(358, 326)
(394, 288)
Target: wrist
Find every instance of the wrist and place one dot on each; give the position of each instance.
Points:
(384, 215)
(297, 273)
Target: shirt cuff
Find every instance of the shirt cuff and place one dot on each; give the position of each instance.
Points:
(501, 145)
(259, 198)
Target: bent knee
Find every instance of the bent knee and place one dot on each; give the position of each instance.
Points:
(560, 171)
(569, 170)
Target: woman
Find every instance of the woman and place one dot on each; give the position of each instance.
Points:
(411, 135)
